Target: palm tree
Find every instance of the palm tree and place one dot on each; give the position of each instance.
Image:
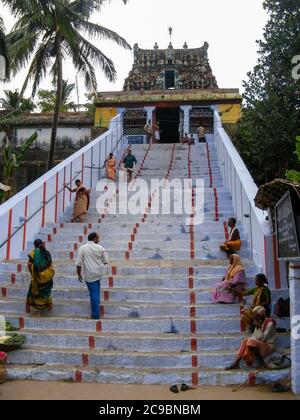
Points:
(4, 48)
(47, 98)
(14, 101)
(48, 32)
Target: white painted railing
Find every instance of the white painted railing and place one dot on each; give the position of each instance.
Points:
(238, 180)
(45, 200)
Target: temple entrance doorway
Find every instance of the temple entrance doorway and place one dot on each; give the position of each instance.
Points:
(168, 119)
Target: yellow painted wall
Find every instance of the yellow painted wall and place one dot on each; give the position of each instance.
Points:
(233, 115)
(103, 116)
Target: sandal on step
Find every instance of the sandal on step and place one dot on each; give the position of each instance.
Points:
(174, 388)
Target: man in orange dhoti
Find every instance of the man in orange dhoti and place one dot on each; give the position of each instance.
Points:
(110, 166)
(261, 344)
(234, 244)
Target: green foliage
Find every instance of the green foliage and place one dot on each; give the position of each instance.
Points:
(294, 175)
(270, 120)
(12, 156)
(47, 98)
(14, 101)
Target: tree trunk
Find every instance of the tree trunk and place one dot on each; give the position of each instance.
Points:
(57, 102)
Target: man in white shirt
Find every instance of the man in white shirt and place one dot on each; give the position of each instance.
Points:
(92, 258)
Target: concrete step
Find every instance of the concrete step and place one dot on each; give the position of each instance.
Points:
(203, 325)
(205, 377)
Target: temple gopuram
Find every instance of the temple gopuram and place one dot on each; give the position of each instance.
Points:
(175, 87)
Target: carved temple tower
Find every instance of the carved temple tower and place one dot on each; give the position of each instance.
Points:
(173, 86)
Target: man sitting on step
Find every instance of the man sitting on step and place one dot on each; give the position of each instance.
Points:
(261, 344)
(234, 243)
(92, 258)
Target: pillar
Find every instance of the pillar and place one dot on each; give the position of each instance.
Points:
(186, 118)
(295, 324)
(149, 110)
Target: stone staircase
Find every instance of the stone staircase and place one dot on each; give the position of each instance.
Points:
(157, 323)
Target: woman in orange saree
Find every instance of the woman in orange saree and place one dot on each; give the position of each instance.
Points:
(82, 201)
(110, 166)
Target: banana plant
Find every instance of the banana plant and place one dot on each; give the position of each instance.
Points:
(12, 157)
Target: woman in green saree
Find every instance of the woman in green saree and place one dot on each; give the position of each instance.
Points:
(261, 297)
(41, 269)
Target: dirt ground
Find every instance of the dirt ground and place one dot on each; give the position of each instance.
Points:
(26, 390)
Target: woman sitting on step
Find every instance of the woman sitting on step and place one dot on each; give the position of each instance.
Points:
(233, 284)
(261, 344)
(234, 243)
(41, 269)
(261, 297)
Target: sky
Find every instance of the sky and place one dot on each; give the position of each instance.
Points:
(231, 27)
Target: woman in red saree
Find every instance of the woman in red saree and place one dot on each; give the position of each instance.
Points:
(110, 166)
(82, 201)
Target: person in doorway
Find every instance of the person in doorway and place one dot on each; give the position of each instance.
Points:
(233, 284)
(110, 166)
(149, 131)
(41, 270)
(201, 134)
(187, 139)
(234, 243)
(82, 201)
(261, 297)
(92, 258)
(261, 344)
(157, 132)
(129, 162)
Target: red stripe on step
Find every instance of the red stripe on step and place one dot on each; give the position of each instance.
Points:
(193, 326)
(85, 231)
(209, 166)
(127, 255)
(135, 231)
(137, 225)
(194, 361)
(49, 238)
(132, 238)
(216, 205)
(130, 246)
(192, 255)
(54, 231)
(114, 271)
(192, 236)
(192, 312)
(21, 323)
(13, 278)
(71, 255)
(4, 292)
(91, 342)
(191, 283)
(75, 247)
(78, 376)
(110, 282)
(191, 271)
(106, 296)
(90, 226)
(192, 298)
(80, 240)
(195, 379)
(62, 225)
(85, 359)
(102, 311)
(194, 345)
(226, 232)
(99, 326)
(252, 378)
